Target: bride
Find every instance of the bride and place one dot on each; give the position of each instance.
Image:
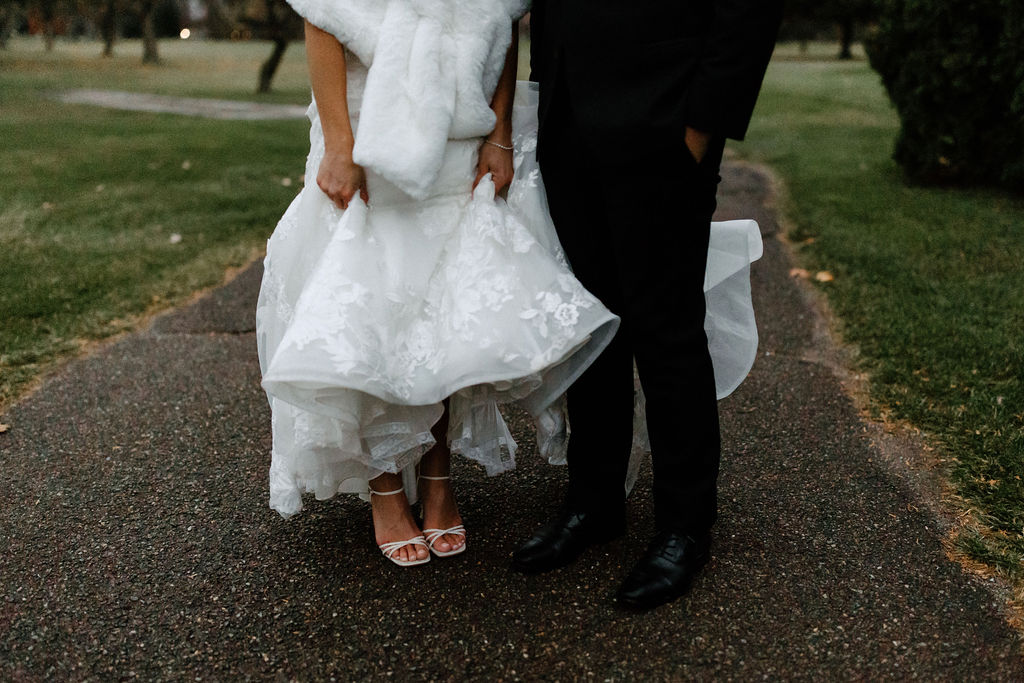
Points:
(404, 296)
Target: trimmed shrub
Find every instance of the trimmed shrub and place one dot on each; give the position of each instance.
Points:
(955, 71)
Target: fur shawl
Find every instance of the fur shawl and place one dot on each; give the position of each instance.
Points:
(433, 67)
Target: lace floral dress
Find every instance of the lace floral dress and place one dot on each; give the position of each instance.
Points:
(369, 318)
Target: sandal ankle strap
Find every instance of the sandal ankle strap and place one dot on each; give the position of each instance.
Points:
(386, 493)
(423, 476)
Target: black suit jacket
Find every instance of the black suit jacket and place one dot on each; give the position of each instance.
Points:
(649, 67)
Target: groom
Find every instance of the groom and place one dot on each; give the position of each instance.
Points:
(636, 101)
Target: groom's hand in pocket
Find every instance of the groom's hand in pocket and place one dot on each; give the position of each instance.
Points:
(697, 142)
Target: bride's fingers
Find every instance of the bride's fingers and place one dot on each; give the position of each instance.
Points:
(501, 182)
(343, 197)
(481, 171)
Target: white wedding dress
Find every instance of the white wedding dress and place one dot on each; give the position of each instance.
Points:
(369, 318)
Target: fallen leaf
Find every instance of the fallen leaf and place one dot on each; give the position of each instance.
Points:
(824, 276)
(799, 272)
(175, 238)
(48, 206)
(286, 182)
(4, 428)
(185, 165)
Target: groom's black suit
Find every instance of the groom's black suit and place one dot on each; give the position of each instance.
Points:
(619, 84)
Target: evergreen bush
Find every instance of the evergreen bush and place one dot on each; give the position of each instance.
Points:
(955, 71)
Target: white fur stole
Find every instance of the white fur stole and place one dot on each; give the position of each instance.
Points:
(433, 67)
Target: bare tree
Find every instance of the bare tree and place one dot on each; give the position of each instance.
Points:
(103, 15)
(48, 17)
(108, 26)
(9, 11)
(280, 25)
(221, 18)
(145, 10)
(272, 20)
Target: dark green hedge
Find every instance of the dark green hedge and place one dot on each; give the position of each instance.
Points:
(955, 71)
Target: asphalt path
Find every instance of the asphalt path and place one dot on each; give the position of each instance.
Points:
(136, 541)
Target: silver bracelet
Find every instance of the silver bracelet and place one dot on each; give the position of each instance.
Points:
(507, 149)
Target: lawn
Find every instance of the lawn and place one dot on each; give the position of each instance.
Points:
(190, 68)
(107, 216)
(928, 283)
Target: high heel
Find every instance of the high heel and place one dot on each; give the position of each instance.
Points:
(432, 535)
(389, 549)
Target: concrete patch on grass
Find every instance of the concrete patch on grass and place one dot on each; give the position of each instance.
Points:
(185, 106)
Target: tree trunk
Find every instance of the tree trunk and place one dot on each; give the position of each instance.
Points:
(269, 67)
(6, 13)
(149, 51)
(219, 23)
(108, 27)
(846, 39)
(49, 14)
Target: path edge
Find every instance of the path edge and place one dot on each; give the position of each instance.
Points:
(908, 452)
(138, 324)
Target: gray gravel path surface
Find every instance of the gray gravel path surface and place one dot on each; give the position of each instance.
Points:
(135, 538)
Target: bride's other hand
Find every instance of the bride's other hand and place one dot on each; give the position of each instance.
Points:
(497, 162)
(341, 178)
(494, 159)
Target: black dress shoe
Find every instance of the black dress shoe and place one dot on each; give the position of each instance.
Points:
(563, 539)
(666, 571)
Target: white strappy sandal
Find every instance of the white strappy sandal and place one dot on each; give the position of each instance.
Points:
(432, 535)
(389, 549)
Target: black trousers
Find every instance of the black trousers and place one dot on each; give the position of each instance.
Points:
(633, 212)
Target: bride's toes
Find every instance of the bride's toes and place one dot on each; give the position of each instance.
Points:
(454, 541)
(413, 552)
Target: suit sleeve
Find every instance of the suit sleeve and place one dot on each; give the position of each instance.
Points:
(731, 66)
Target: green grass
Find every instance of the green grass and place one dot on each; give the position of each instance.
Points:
(90, 197)
(928, 284)
(190, 68)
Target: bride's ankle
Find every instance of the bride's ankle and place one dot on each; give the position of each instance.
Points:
(388, 500)
(436, 463)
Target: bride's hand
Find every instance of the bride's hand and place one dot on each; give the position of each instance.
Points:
(341, 178)
(497, 162)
